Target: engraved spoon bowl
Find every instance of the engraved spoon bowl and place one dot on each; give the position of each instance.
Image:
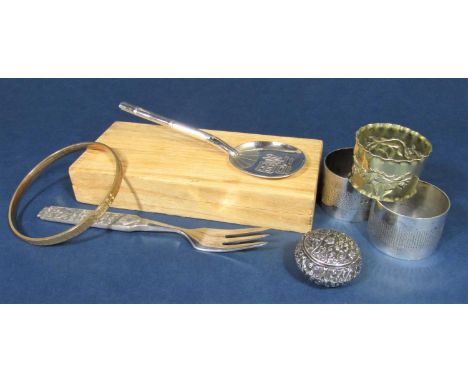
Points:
(268, 159)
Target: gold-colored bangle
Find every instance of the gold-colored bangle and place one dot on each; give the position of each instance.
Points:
(85, 223)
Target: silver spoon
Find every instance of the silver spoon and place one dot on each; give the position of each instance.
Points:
(261, 158)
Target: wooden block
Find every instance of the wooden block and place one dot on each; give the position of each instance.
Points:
(171, 173)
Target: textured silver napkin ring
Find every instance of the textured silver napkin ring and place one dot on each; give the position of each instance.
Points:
(339, 198)
(410, 229)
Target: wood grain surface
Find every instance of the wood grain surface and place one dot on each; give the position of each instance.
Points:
(168, 172)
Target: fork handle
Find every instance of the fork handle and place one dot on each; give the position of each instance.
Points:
(110, 220)
(156, 226)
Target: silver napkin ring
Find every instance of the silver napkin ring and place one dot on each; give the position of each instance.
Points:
(339, 198)
(410, 229)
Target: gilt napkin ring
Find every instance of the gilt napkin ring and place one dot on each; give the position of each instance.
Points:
(388, 159)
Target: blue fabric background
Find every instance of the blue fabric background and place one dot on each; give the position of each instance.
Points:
(40, 116)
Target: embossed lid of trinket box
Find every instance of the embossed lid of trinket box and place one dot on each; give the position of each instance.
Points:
(328, 258)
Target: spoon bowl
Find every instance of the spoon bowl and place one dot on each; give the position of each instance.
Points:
(267, 159)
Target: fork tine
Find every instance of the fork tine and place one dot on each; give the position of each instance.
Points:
(243, 239)
(241, 247)
(244, 232)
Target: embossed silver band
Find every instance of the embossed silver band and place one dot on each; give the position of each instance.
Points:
(85, 223)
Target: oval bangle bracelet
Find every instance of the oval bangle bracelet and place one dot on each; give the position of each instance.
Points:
(85, 223)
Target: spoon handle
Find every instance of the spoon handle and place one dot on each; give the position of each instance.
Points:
(160, 120)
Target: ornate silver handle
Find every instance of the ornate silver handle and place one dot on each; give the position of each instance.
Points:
(160, 120)
(110, 220)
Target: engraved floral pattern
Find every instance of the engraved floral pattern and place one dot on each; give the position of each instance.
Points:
(392, 148)
(381, 184)
(328, 258)
(76, 215)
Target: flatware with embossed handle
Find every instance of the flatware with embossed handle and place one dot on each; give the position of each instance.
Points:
(203, 239)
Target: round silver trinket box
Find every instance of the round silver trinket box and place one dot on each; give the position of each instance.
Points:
(328, 258)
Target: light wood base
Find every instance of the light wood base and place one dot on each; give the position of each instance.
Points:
(174, 174)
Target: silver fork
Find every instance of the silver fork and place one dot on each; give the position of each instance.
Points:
(203, 239)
